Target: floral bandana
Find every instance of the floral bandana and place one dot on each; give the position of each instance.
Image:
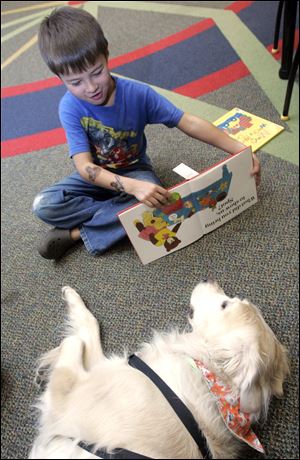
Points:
(237, 422)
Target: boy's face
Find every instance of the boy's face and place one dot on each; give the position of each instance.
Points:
(95, 85)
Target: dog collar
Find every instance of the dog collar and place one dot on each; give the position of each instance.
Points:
(228, 404)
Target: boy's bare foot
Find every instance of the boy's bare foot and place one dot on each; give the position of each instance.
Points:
(57, 241)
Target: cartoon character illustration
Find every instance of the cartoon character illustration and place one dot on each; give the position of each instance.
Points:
(155, 230)
(177, 210)
(154, 226)
(236, 123)
(211, 195)
(207, 200)
(150, 225)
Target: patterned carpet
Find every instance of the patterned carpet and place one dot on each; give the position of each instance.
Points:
(206, 69)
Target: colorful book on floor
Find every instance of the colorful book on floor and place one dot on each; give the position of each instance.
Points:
(197, 206)
(247, 128)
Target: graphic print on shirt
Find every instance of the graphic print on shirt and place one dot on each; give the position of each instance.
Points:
(115, 149)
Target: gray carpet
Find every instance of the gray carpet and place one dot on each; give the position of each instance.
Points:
(254, 255)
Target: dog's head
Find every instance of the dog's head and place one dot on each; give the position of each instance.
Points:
(241, 345)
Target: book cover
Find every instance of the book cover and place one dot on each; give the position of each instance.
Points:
(196, 207)
(247, 128)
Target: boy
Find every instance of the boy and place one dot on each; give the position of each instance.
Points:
(104, 118)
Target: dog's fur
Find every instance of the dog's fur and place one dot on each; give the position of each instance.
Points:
(104, 401)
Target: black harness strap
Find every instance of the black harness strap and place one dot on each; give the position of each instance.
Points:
(177, 405)
(116, 454)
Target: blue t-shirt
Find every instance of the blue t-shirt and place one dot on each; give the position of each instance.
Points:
(114, 135)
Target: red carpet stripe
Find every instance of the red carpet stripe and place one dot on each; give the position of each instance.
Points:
(137, 54)
(193, 89)
(214, 81)
(117, 61)
(38, 141)
(40, 85)
(161, 44)
(236, 7)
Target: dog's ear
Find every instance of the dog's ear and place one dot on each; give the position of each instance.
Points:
(240, 361)
(278, 368)
(264, 374)
(248, 367)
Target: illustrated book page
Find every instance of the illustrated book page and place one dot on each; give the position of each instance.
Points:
(196, 206)
(226, 190)
(155, 232)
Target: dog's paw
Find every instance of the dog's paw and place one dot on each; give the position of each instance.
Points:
(42, 377)
(69, 294)
(77, 310)
(71, 297)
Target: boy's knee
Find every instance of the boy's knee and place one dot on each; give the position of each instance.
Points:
(40, 206)
(37, 204)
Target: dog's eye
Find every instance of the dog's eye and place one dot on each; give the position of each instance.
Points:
(224, 304)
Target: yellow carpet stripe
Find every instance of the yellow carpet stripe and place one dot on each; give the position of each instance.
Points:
(17, 31)
(20, 51)
(15, 22)
(32, 7)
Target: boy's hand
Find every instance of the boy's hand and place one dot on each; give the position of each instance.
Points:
(148, 193)
(256, 171)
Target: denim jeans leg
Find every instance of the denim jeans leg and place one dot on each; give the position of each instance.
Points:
(70, 202)
(105, 229)
(74, 202)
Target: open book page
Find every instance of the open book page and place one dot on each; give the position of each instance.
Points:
(224, 191)
(196, 207)
(155, 233)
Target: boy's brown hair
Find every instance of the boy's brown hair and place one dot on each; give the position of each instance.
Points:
(70, 40)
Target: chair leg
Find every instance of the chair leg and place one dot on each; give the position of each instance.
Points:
(290, 85)
(277, 28)
(288, 37)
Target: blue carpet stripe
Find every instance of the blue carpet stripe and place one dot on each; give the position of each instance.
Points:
(169, 68)
(174, 66)
(254, 18)
(30, 113)
(184, 62)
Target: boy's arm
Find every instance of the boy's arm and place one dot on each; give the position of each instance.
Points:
(205, 131)
(146, 192)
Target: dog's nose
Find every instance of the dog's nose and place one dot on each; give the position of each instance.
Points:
(208, 280)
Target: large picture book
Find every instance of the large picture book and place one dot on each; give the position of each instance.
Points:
(196, 206)
(247, 128)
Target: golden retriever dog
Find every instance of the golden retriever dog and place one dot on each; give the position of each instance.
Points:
(224, 369)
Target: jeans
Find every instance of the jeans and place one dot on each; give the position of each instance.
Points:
(76, 203)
